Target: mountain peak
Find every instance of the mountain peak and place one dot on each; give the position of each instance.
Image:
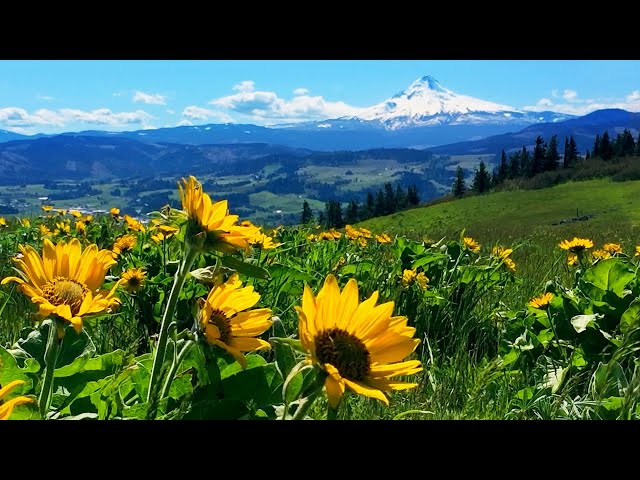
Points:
(427, 82)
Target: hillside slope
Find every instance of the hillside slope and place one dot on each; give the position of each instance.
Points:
(516, 215)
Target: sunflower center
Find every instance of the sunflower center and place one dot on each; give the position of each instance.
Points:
(344, 351)
(64, 291)
(220, 320)
(134, 282)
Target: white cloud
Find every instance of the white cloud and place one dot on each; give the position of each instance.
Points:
(45, 97)
(245, 86)
(170, 112)
(554, 93)
(633, 96)
(149, 98)
(194, 112)
(573, 105)
(16, 118)
(300, 91)
(184, 122)
(259, 105)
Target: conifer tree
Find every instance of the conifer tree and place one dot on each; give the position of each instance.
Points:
(307, 214)
(459, 186)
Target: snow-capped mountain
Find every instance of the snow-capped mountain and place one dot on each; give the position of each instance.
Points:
(427, 103)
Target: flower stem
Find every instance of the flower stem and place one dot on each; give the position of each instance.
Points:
(174, 367)
(332, 413)
(50, 359)
(163, 337)
(305, 404)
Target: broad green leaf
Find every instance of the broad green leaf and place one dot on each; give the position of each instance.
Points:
(613, 275)
(631, 317)
(577, 358)
(554, 377)
(10, 371)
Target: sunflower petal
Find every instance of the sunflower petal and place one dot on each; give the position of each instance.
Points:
(334, 384)
(245, 344)
(366, 390)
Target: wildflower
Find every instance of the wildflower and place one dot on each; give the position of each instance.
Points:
(422, 280)
(471, 245)
(408, 276)
(65, 281)
(601, 254)
(124, 244)
(542, 302)
(6, 407)
(384, 238)
(576, 245)
(133, 279)
(227, 323)
(359, 345)
(612, 248)
(47, 208)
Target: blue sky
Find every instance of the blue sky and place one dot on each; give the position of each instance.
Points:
(57, 96)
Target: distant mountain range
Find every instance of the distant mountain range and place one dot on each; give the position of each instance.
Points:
(583, 129)
(425, 114)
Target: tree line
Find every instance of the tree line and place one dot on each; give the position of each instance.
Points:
(384, 202)
(545, 157)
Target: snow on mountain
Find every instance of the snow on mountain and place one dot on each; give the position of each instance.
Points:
(426, 102)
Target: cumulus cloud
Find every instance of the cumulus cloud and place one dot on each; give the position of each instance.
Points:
(260, 105)
(170, 112)
(300, 91)
(184, 123)
(570, 103)
(194, 112)
(15, 118)
(149, 98)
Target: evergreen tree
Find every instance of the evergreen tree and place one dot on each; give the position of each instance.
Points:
(503, 169)
(539, 155)
(379, 208)
(412, 195)
(587, 155)
(525, 162)
(625, 144)
(514, 164)
(307, 214)
(370, 206)
(638, 146)
(596, 147)
(333, 214)
(352, 215)
(566, 159)
(389, 199)
(402, 200)
(459, 185)
(606, 149)
(481, 180)
(573, 149)
(551, 155)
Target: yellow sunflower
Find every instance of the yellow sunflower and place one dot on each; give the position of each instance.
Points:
(75, 213)
(133, 279)
(471, 245)
(47, 208)
(601, 254)
(44, 230)
(213, 219)
(227, 323)
(263, 242)
(358, 345)
(504, 254)
(81, 227)
(408, 276)
(542, 302)
(572, 259)
(365, 233)
(612, 248)
(65, 281)
(422, 280)
(362, 242)
(6, 407)
(3, 222)
(384, 238)
(134, 224)
(124, 244)
(637, 251)
(25, 222)
(576, 245)
(351, 233)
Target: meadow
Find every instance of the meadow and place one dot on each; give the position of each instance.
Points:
(480, 308)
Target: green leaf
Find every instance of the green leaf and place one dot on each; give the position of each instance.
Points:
(631, 317)
(10, 370)
(612, 275)
(245, 268)
(613, 403)
(77, 349)
(260, 384)
(577, 358)
(253, 361)
(554, 377)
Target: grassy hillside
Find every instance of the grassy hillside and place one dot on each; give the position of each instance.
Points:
(532, 221)
(518, 214)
